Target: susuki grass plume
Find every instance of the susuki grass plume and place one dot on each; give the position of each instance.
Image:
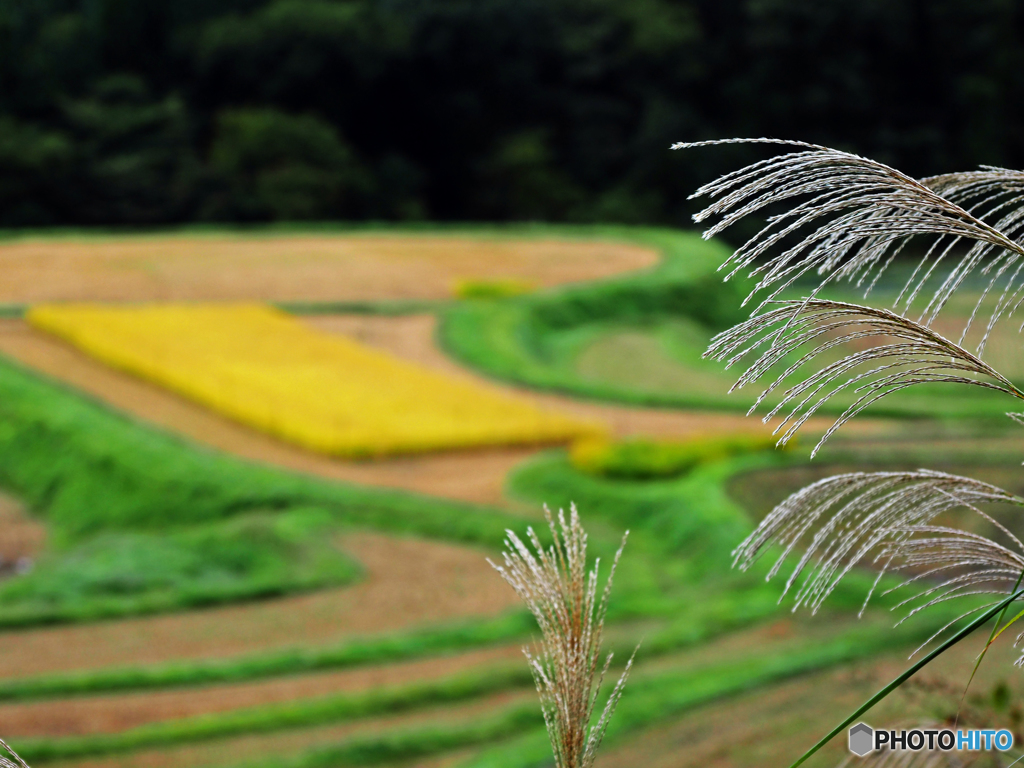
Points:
(847, 218)
(567, 669)
(7, 762)
(887, 516)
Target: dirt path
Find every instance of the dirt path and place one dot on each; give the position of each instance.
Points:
(475, 476)
(21, 535)
(351, 267)
(394, 596)
(412, 337)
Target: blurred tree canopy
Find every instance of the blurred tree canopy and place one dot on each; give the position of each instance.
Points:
(143, 112)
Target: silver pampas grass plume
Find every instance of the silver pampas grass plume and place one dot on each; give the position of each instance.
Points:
(885, 519)
(848, 219)
(905, 353)
(850, 216)
(563, 597)
(14, 761)
(845, 217)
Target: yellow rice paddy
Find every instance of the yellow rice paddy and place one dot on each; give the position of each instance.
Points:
(325, 392)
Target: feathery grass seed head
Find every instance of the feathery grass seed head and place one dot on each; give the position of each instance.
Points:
(14, 761)
(563, 597)
(886, 519)
(848, 218)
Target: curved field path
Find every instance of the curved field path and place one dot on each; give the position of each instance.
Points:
(395, 595)
(299, 267)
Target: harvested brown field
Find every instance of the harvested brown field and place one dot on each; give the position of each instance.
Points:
(395, 595)
(774, 725)
(350, 267)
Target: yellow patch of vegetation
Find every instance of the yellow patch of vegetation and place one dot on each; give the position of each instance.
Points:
(324, 392)
(492, 289)
(641, 458)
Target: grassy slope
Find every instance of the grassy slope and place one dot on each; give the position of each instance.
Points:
(527, 338)
(638, 338)
(688, 526)
(674, 521)
(140, 520)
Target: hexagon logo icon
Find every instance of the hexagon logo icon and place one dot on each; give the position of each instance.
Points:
(862, 737)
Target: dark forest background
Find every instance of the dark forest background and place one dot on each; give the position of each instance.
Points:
(145, 112)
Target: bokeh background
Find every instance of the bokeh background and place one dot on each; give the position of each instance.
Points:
(131, 112)
(304, 303)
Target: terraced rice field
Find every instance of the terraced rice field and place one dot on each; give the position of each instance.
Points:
(418, 662)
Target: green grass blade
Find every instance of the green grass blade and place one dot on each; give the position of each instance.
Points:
(1006, 627)
(991, 639)
(909, 672)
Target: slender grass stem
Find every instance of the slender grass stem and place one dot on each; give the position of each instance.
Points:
(908, 673)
